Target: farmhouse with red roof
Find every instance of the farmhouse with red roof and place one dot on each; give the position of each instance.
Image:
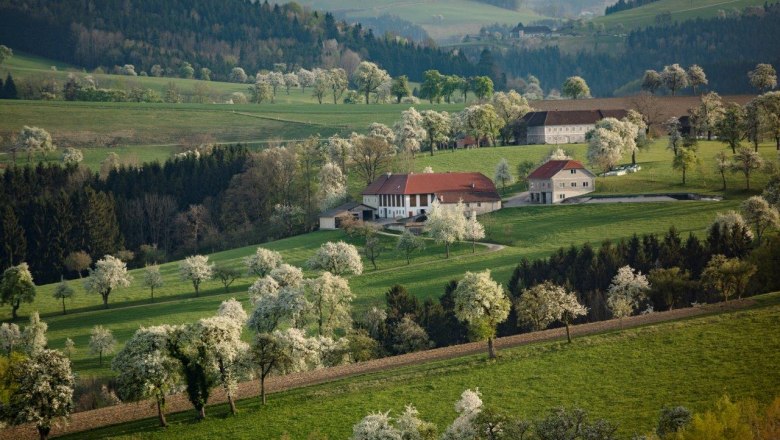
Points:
(409, 195)
(557, 180)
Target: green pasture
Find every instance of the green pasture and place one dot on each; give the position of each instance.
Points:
(623, 376)
(680, 10)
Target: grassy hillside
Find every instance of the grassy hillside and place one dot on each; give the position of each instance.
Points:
(680, 10)
(626, 377)
(458, 17)
(531, 232)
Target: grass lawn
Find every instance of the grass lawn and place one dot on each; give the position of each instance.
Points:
(625, 377)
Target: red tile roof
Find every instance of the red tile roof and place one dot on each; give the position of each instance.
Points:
(448, 187)
(552, 167)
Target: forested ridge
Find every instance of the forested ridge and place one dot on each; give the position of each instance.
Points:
(218, 35)
(727, 48)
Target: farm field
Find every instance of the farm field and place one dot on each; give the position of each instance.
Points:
(441, 19)
(521, 228)
(680, 10)
(691, 362)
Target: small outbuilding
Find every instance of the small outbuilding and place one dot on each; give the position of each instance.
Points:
(332, 218)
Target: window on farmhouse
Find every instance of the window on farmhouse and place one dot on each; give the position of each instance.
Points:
(584, 183)
(413, 200)
(574, 184)
(562, 196)
(573, 171)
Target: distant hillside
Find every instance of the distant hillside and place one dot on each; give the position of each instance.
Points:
(443, 20)
(217, 34)
(670, 11)
(726, 48)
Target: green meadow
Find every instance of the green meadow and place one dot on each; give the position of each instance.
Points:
(623, 376)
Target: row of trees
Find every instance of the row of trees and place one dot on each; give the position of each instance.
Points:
(476, 420)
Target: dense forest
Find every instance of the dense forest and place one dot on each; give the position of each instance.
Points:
(624, 5)
(727, 48)
(189, 204)
(215, 34)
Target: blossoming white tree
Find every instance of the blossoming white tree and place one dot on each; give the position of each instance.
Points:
(145, 369)
(409, 131)
(72, 156)
(446, 226)
(16, 287)
(331, 302)
(468, 408)
(232, 309)
(263, 261)
(332, 186)
(34, 335)
(152, 278)
(503, 173)
(473, 231)
(219, 339)
(287, 276)
(368, 77)
(10, 337)
(196, 269)
(286, 304)
(437, 126)
(337, 258)
(109, 274)
(408, 243)
(62, 292)
(44, 392)
(627, 289)
(101, 342)
(546, 303)
(482, 303)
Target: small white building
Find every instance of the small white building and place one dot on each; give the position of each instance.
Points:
(409, 195)
(564, 127)
(558, 180)
(332, 218)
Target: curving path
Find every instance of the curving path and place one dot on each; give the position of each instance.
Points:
(128, 412)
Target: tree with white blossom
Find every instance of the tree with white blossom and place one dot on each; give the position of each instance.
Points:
(287, 275)
(368, 77)
(272, 308)
(72, 156)
(339, 150)
(304, 353)
(473, 231)
(101, 341)
(545, 303)
(503, 173)
(337, 258)
(218, 338)
(437, 126)
(44, 393)
(263, 261)
(62, 292)
(446, 226)
(305, 79)
(10, 337)
(468, 408)
(627, 290)
(291, 81)
(145, 369)
(409, 131)
(407, 426)
(17, 287)
(152, 278)
(110, 273)
(232, 309)
(331, 301)
(196, 269)
(33, 338)
(482, 303)
(332, 186)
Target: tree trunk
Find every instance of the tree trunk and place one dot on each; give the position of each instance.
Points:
(491, 349)
(100, 358)
(683, 176)
(201, 412)
(161, 414)
(473, 246)
(709, 135)
(262, 388)
(723, 176)
(232, 403)
(197, 288)
(63, 306)
(152, 294)
(447, 249)
(568, 334)
(747, 181)
(43, 432)
(14, 309)
(633, 157)
(105, 299)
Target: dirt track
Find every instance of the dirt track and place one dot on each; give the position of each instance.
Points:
(127, 412)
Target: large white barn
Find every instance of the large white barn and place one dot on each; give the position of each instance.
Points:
(564, 127)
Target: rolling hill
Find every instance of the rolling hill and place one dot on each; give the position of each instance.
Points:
(679, 11)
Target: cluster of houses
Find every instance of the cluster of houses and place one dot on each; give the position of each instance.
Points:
(407, 198)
